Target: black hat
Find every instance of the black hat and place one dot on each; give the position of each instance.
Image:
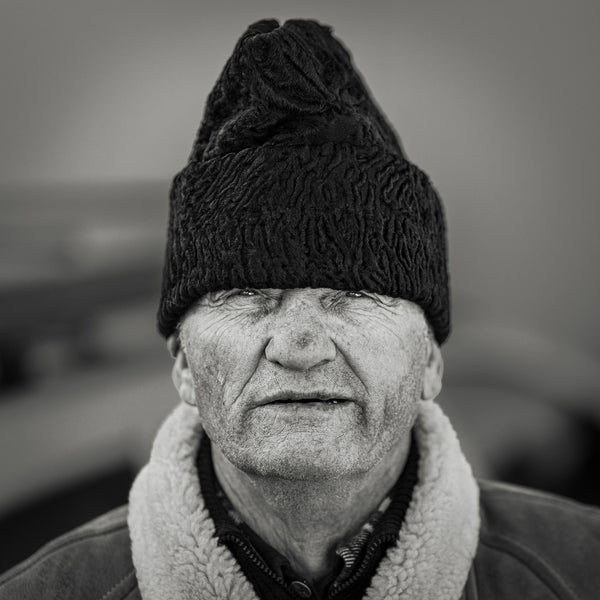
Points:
(297, 180)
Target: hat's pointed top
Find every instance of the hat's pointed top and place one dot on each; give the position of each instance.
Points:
(289, 83)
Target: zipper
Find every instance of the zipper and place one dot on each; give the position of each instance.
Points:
(361, 570)
(252, 555)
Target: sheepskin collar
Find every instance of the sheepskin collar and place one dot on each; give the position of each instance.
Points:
(177, 556)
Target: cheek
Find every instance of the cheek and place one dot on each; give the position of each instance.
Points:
(404, 393)
(221, 360)
(390, 363)
(211, 361)
(383, 354)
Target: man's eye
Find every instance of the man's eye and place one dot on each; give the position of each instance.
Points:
(246, 292)
(353, 294)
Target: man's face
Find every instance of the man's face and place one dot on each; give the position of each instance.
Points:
(305, 383)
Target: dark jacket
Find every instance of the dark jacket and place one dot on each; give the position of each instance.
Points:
(531, 545)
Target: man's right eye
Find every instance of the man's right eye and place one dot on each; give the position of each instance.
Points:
(245, 292)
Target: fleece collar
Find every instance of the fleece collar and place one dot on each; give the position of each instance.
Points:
(177, 556)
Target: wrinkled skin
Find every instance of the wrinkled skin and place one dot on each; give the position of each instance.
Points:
(240, 346)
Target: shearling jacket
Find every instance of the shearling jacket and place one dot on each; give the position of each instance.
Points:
(460, 539)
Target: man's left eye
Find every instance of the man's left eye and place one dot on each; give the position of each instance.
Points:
(246, 292)
(354, 294)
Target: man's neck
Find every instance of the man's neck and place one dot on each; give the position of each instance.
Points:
(307, 520)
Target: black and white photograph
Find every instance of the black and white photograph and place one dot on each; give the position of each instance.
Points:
(299, 300)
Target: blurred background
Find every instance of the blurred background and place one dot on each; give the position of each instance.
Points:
(497, 102)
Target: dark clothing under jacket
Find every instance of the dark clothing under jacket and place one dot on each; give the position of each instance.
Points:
(531, 545)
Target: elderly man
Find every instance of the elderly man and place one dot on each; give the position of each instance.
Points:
(305, 298)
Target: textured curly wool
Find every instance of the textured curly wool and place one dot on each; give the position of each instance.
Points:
(296, 180)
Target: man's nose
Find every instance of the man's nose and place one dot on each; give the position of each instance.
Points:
(300, 346)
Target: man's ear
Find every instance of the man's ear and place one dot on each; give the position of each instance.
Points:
(181, 373)
(434, 370)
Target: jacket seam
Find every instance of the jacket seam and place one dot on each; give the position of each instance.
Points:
(520, 552)
(37, 558)
(133, 588)
(109, 592)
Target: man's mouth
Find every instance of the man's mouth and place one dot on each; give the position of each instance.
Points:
(288, 398)
(310, 401)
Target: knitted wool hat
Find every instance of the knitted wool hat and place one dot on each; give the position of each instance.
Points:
(296, 180)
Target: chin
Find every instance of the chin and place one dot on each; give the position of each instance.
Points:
(302, 462)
